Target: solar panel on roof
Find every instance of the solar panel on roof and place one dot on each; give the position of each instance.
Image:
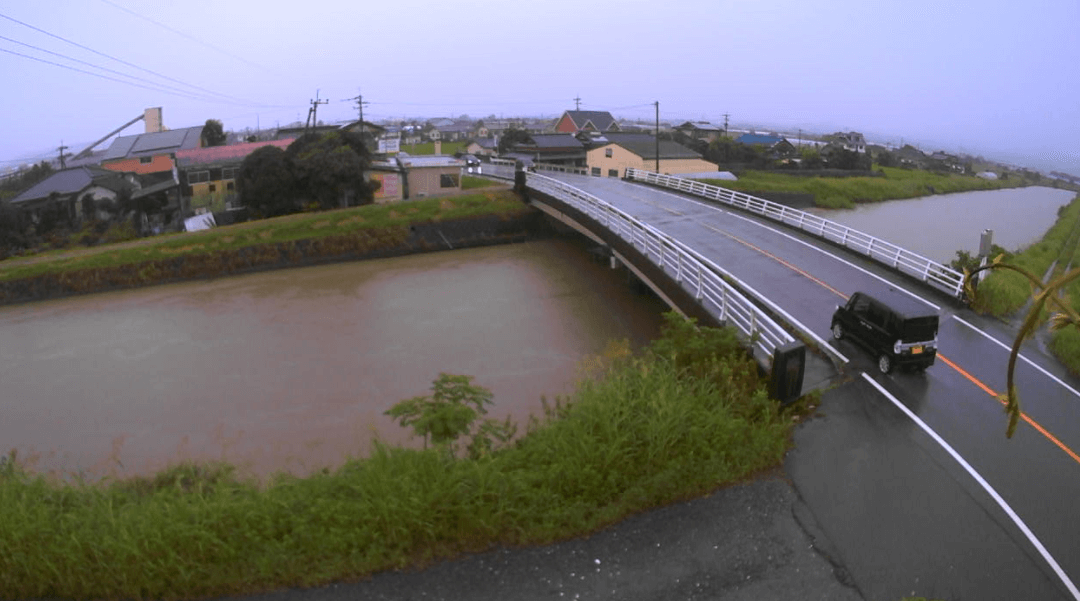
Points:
(160, 140)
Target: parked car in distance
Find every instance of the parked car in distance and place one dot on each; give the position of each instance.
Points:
(894, 327)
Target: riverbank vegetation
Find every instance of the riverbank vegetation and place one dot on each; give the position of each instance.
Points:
(678, 420)
(1004, 292)
(305, 226)
(845, 192)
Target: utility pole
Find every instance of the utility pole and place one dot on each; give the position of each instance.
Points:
(657, 103)
(62, 148)
(359, 99)
(800, 138)
(577, 103)
(313, 112)
(726, 115)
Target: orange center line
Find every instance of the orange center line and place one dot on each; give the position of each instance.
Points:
(990, 391)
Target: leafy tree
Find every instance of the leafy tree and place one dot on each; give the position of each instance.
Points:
(450, 412)
(213, 133)
(512, 136)
(265, 182)
(329, 168)
(886, 158)
(811, 158)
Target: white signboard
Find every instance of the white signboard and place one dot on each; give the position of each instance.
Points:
(388, 145)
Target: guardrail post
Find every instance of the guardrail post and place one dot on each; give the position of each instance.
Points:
(700, 280)
(678, 270)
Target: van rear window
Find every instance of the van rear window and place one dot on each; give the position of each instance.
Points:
(919, 329)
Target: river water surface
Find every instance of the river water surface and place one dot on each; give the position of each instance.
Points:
(292, 370)
(938, 226)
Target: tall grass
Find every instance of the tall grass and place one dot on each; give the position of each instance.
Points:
(1004, 292)
(682, 418)
(844, 192)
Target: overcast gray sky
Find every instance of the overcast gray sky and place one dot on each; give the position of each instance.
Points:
(991, 77)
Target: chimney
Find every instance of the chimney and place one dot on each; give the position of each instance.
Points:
(152, 119)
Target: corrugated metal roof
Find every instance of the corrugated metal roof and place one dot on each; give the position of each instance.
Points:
(556, 141)
(758, 139)
(430, 161)
(234, 153)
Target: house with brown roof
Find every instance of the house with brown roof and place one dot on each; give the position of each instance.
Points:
(609, 155)
(572, 122)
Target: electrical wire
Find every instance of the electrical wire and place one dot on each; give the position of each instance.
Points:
(163, 87)
(184, 35)
(130, 83)
(119, 60)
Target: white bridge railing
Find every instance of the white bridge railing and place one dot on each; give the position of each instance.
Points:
(710, 289)
(918, 266)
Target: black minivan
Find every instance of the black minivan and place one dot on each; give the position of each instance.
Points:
(896, 328)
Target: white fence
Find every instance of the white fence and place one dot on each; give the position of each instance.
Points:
(710, 289)
(927, 270)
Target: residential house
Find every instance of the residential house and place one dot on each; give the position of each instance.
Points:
(457, 130)
(554, 149)
(208, 175)
(610, 154)
(150, 153)
(852, 141)
(68, 187)
(776, 146)
(574, 121)
(483, 147)
(421, 176)
(700, 130)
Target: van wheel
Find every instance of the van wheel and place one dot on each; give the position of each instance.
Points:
(884, 363)
(837, 331)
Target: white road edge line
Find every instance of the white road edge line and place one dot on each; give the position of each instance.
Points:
(1021, 355)
(804, 243)
(986, 486)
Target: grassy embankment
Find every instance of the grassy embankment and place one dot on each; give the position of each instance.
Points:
(844, 192)
(677, 421)
(1003, 292)
(243, 246)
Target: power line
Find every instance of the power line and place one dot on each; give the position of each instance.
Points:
(163, 87)
(130, 83)
(184, 35)
(152, 72)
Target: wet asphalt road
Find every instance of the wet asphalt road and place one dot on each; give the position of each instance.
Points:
(1037, 472)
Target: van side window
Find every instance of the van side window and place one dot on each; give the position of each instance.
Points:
(877, 315)
(859, 304)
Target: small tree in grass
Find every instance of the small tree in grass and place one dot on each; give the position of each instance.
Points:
(450, 412)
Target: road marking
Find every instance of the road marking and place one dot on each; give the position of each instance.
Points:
(986, 486)
(1021, 356)
(1034, 424)
(804, 243)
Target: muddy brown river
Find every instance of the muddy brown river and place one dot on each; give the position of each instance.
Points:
(292, 370)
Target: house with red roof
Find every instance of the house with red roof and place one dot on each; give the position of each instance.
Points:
(208, 175)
